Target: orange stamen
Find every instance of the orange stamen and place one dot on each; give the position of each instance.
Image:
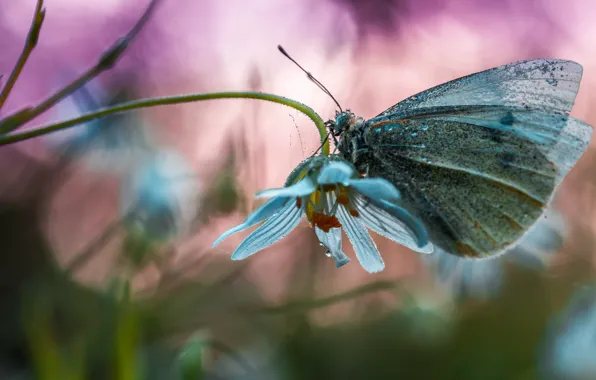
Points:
(298, 202)
(343, 199)
(325, 222)
(354, 213)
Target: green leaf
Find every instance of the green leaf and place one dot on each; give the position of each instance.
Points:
(190, 358)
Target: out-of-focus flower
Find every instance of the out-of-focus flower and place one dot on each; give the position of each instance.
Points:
(333, 196)
(114, 143)
(252, 361)
(160, 198)
(483, 278)
(570, 346)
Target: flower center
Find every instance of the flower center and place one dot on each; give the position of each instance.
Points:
(321, 207)
(325, 222)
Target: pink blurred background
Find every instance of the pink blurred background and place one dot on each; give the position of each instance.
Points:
(370, 54)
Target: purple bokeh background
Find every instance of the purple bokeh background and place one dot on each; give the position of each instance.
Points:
(370, 54)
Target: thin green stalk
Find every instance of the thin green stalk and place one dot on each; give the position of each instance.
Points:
(146, 103)
(107, 60)
(310, 304)
(30, 43)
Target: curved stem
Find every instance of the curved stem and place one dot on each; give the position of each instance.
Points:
(145, 103)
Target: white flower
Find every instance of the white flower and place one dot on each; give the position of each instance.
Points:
(114, 143)
(160, 198)
(333, 196)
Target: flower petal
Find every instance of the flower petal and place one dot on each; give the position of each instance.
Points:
(394, 223)
(274, 229)
(332, 241)
(366, 251)
(303, 188)
(160, 196)
(270, 208)
(335, 172)
(375, 188)
(115, 143)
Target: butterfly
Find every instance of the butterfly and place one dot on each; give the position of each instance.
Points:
(476, 159)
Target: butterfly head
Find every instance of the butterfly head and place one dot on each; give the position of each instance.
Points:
(347, 130)
(344, 121)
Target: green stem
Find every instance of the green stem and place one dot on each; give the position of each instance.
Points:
(310, 304)
(30, 44)
(107, 60)
(145, 103)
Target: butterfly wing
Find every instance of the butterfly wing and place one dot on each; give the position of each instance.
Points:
(478, 176)
(464, 278)
(542, 83)
(479, 157)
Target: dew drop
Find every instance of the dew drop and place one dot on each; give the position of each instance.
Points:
(414, 134)
(552, 81)
(328, 253)
(425, 127)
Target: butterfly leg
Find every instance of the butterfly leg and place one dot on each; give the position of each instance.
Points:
(335, 141)
(356, 154)
(359, 149)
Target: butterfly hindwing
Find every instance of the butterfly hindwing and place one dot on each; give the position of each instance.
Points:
(478, 176)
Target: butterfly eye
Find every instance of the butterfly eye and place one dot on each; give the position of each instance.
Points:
(338, 129)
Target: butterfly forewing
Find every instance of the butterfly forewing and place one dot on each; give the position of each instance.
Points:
(558, 136)
(542, 83)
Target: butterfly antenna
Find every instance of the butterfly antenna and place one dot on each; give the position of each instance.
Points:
(310, 76)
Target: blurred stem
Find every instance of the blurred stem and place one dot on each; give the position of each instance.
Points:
(93, 248)
(145, 103)
(30, 43)
(127, 337)
(107, 60)
(303, 305)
